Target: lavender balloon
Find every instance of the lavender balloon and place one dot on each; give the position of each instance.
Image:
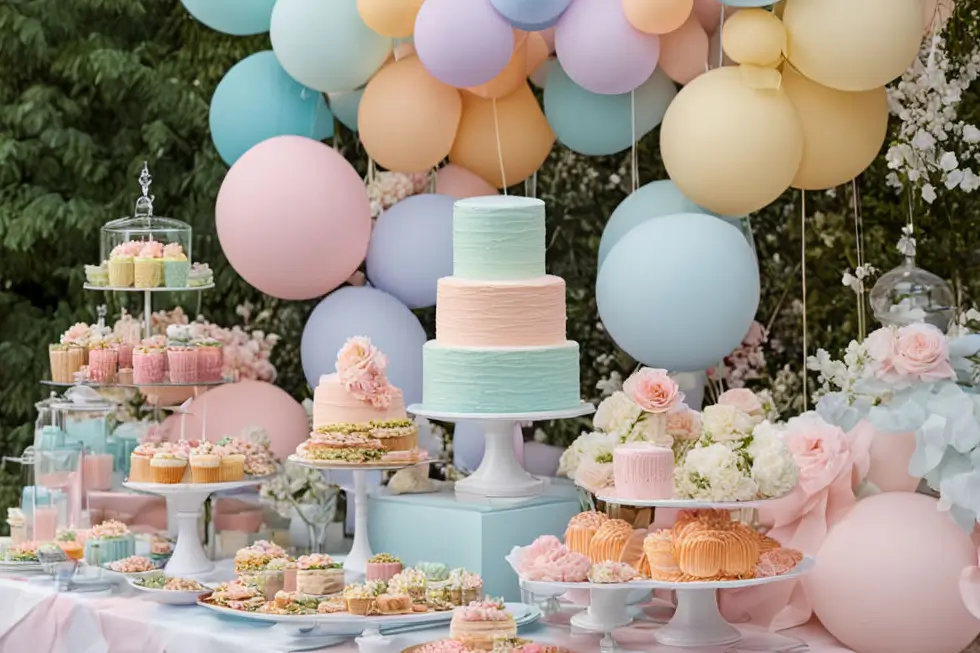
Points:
(463, 42)
(601, 51)
(531, 15)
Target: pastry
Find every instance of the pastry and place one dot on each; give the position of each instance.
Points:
(478, 624)
(103, 362)
(411, 582)
(582, 528)
(617, 541)
(210, 360)
(149, 365)
(360, 600)
(658, 551)
(182, 363)
(176, 267)
(382, 567)
(319, 575)
(611, 572)
(108, 542)
(463, 586)
(97, 275)
(643, 471)
(393, 604)
(396, 434)
(232, 465)
(777, 562)
(121, 272)
(148, 265)
(257, 556)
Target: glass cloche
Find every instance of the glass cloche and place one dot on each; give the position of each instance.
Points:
(144, 226)
(909, 294)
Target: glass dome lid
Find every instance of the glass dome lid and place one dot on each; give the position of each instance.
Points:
(144, 226)
(908, 294)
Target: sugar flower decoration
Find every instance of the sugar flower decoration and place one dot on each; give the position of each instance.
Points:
(361, 369)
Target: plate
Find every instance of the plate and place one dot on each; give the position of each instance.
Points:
(88, 286)
(171, 597)
(609, 495)
(121, 574)
(418, 647)
(367, 467)
(20, 566)
(194, 488)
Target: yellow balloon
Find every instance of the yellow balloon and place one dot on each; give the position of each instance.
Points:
(754, 36)
(850, 45)
(407, 118)
(728, 147)
(657, 16)
(394, 18)
(520, 133)
(842, 131)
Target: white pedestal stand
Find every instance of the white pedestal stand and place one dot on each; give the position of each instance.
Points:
(608, 610)
(500, 474)
(697, 622)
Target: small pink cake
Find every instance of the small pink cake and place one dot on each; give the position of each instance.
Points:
(182, 362)
(148, 365)
(102, 365)
(643, 471)
(383, 567)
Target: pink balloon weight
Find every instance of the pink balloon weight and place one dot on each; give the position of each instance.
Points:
(229, 409)
(293, 217)
(456, 181)
(463, 43)
(887, 578)
(601, 51)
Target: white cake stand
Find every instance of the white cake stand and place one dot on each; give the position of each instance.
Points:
(356, 561)
(500, 474)
(189, 559)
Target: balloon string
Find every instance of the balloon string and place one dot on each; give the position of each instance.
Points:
(803, 278)
(500, 147)
(634, 160)
(721, 27)
(371, 171)
(859, 247)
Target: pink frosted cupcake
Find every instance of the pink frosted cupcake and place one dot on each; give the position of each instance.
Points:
(210, 360)
(103, 362)
(383, 567)
(148, 365)
(182, 362)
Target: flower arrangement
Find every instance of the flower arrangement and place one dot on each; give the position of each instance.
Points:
(361, 368)
(294, 485)
(388, 188)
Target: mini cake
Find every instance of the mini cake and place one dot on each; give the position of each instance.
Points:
(124, 350)
(411, 582)
(108, 542)
(168, 466)
(103, 362)
(478, 624)
(388, 604)
(271, 580)
(582, 528)
(435, 572)
(319, 575)
(149, 365)
(182, 363)
(210, 360)
(643, 471)
(205, 464)
(383, 567)
(148, 265)
(617, 541)
(61, 368)
(612, 572)
(464, 586)
(547, 559)
(289, 576)
(360, 600)
(200, 275)
(658, 551)
(176, 267)
(257, 556)
(160, 551)
(97, 275)
(121, 267)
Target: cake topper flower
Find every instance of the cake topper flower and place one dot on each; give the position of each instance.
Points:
(653, 390)
(361, 369)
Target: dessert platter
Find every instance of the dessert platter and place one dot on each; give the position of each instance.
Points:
(483, 626)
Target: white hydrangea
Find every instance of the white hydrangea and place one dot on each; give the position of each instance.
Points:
(617, 415)
(712, 474)
(592, 446)
(773, 467)
(723, 423)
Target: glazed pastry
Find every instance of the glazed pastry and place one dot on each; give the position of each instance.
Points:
(394, 604)
(617, 541)
(582, 528)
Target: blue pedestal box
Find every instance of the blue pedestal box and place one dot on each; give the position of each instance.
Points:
(439, 527)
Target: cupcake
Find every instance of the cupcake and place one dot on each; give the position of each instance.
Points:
(205, 464)
(396, 434)
(210, 360)
(103, 362)
(61, 367)
(360, 600)
(168, 466)
(121, 264)
(160, 551)
(148, 365)
(108, 542)
(97, 275)
(125, 352)
(125, 376)
(409, 581)
(175, 266)
(199, 275)
(383, 567)
(148, 265)
(318, 575)
(139, 461)
(464, 587)
(232, 465)
(182, 362)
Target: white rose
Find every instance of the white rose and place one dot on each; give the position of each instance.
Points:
(616, 414)
(724, 423)
(586, 446)
(594, 476)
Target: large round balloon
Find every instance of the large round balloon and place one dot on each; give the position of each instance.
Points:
(729, 147)
(885, 545)
(842, 131)
(463, 42)
(594, 124)
(755, 37)
(503, 140)
(531, 15)
(460, 183)
(326, 45)
(937, 13)
(257, 100)
(601, 51)
(293, 218)
(365, 311)
(530, 51)
(235, 17)
(853, 46)
(394, 18)
(408, 118)
(708, 13)
(344, 105)
(679, 292)
(684, 52)
(657, 17)
(412, 248)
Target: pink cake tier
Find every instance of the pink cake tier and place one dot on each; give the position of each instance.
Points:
(332, 404)
(525, 313)
(643, 471)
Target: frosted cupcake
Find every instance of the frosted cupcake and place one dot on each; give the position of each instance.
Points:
(360, 600)
(205, 464)
(108, 542)
(97, 275)
(464, 586)
(210, 360)
(121, 264)
(103, 362)
(139, 461)
(168, 466)
(200, 275)
(175, 266)
(61, 367)
(148, 365)
(182, 362)
(148, 265)
(318, 575)
(232, 465)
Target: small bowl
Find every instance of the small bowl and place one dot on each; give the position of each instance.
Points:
(171, 597)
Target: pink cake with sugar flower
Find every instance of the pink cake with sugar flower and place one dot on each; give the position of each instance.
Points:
(643, 471)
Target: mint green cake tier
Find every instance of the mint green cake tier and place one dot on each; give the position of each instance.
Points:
(498, 238)
(500, 379)
(103, 551)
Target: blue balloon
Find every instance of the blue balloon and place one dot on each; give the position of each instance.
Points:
(412, 248)
(595, 124)
(364, 311)
(680, 292)
(345, 105)
(235, 17)
(531, 15)
(257, 100)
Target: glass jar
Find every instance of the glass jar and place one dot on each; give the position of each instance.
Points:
(908, 294)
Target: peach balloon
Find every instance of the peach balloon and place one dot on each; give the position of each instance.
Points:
(513, 74)
(537, 52)
(460, 183)
(709, 14)
(394, 18)
(658, 17)
(549, 38)
(754, 36)
(842, 132)
(407, 118)
(402, 50)
(684, 52)
(514, 126)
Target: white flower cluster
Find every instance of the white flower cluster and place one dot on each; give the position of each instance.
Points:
(295, 485)
(842, 375)
(856, 281)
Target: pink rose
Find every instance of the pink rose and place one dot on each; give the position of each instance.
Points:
(822, 452)
(921, 353)
(361, 368)
(744, 400)
(880, 345)
(594, 476)
(653, 390)
(684, 423)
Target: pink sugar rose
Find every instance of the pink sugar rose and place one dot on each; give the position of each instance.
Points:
(822, 452)
(684, 423)
(361, 368)
(745, 400)
(922, 354)
(151, 249)
(653, 390)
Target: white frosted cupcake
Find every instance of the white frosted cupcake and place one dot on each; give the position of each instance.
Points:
(168, 466)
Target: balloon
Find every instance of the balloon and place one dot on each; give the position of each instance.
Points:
(402, 50)
(463, 42)
(257, 100)
(890, 454)
(937, 14)
(730, 148)
(684, 52)
(537, 52)
(540, 76)
(716, 56)
(356, 311)
(233, 407)
(293, 218)
(549, 38)
(754, 36)
(601, 51)
(884, 546)
(853, 46)
(515, 124)
(531, 15)
(513, 74)
(679, 292)
(235, 17)
(394, 18)
(595, 124)
(842, 132)
(408, 118)
(326, 45)
(709, 14)
(460, 183)
(412, 248)
(344, 105)
(657, 17)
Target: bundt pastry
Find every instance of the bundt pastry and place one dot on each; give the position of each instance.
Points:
(617, 541)
(643, 570)
(582, 528)
(658, 552)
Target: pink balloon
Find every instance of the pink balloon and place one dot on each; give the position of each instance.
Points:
(293, 217)
(601, 51)
(684, 52)
(709, 14)
(456, 181)
(887, 578)
(890, 454)
(549, 38)
(229, 409)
